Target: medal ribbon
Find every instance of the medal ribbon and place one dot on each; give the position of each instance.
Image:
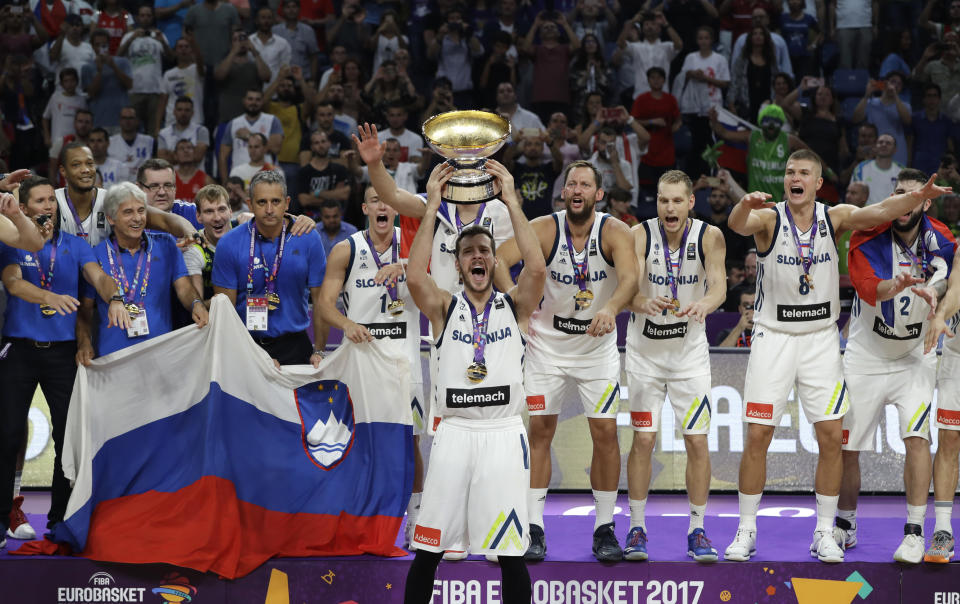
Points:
(118, 273)
(391, 289)
(581, 270)
(76, 217)
(270, 281)
(480, 327)
(906, 249)
(673, 280)
(456, 216)
(46, 281)
(805, 262)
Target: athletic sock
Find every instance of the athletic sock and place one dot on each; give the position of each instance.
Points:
(850, 516)
(826, 511)
(749, 504)
(915, 514)
(16, 483)
(637, 513)
(943, 510)
(696, 517)
(604, 501)
(536, 500)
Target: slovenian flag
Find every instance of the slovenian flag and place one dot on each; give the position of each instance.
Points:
(733, 156)
(192, 449)
(871, 261)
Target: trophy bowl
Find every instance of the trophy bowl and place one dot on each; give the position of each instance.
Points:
(467, 139)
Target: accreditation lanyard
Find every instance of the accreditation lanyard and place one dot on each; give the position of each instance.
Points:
(46, 280)
(270, 280)
(143, 265)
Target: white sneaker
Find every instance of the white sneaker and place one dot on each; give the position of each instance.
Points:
(849, 532)
(492, 558)
(825, 547)
(19, 527)
(454, 555)
(744, 546)
(912, 547)
(3, 543)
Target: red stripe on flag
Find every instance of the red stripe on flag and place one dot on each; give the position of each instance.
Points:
(207, 528)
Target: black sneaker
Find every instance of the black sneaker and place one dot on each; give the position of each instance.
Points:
(538, 545)
(605, 546)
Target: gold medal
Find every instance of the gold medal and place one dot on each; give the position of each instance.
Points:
(808, 279)
(47, 311)
(584, 299)
(676, 306)
(133, 309)
(395, 307)
(273, 300)
(476, 372)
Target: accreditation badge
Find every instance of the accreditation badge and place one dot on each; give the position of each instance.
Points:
(139, 326)
(257, 310)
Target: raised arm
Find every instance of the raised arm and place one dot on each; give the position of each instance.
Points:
(846, 217)
(529, 288)
(430, 299)
(16, 230)
(753, 214)
(371, 152)
(949, 305)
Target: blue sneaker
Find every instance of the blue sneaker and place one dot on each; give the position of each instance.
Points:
(635, 547)
(699, 547)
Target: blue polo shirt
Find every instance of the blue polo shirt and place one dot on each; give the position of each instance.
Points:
(188, 210)
(166, 266)
(301, 267)
(23, 319)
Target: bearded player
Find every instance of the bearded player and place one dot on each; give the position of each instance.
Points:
(572, 348)
(475, 489)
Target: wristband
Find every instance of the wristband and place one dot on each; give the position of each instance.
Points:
(195, 302)
(321, 353)
(630, 121)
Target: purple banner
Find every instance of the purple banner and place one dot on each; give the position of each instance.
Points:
(367, 580)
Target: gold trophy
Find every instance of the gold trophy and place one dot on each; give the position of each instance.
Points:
(467, 139)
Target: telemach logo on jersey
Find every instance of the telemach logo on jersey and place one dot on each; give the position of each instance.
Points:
(804, 312)
(461, 398)
(885, 331)
(664, 332)
(571, 326)
(391, 331)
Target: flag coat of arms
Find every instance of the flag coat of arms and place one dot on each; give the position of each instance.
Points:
(192, 449)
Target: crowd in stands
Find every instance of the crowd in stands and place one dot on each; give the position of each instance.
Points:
(224, 89)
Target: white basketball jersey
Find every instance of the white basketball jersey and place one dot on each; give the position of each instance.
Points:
(367, 303)
(95, 225)
(493, 216)
(238, 147)
(667, 345)
(500, 394)
(783, 302)
(557, 332)
(877, 347)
